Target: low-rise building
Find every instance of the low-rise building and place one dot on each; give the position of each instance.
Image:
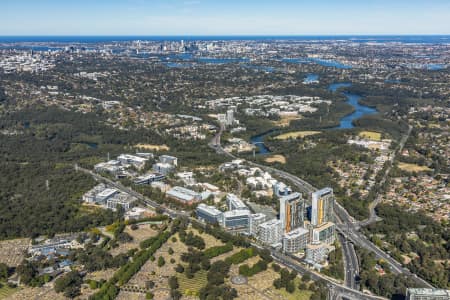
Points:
(136, 161)
(238, 219)
(255, 220)
(270, 232)
(149, 178)
(316, 253)
(234, 202)
(208, 214)
(122, 199)
(167, 159)
(295, 240)
(427, 294)
(184, 195)
(163, 168)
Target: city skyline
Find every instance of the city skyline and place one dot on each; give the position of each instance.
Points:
(174, 17)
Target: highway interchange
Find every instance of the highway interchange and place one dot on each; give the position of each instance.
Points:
(345, 224)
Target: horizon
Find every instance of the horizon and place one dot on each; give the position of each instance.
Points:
(232, 18)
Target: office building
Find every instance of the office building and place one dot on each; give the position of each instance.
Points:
(270, 232)
(322, 207)
(295, 240)
(255, 220)
(184, 195)
(167, 159)
(121, 199)
(208, 214)
(136, 161)
(427, 294)
(163, 168)
(292, 210)
(149, 178)
(326, 233)
(236, 219)
(222, 118)
(234, 202)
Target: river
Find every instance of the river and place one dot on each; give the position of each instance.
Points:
(346, 122)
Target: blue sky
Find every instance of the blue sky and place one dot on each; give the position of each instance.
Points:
(223, 17)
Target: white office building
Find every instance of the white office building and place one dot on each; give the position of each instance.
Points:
(270, 232)
(234, 202)
(167, 159)
(295, 240)
(127, 159)
(236, 220)
(208, 214)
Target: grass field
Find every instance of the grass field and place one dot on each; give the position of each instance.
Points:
(276, 158)
(371, 135)
(192, 286)
(286, 120)
(413, 167)
(296, 295)
(295, 134)
(152, 147)
(6, 291)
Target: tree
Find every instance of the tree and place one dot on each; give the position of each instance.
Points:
(69, 284)
(4, 270)
(27, 272)
(173, 282)
(161, 261)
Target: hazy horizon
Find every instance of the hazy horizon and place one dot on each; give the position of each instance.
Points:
(233, 17)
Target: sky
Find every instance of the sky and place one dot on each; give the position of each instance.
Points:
(224, 17)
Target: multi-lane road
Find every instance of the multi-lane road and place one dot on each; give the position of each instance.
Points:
(345, 224)
(339, 290)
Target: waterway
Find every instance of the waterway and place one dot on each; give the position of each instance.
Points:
(346, 122)
(360, 110)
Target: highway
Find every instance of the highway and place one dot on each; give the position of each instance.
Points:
(339, 290)
(351, 263)
(345, 224)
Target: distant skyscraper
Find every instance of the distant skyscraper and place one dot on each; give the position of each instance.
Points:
(322, 207)
(292, 210)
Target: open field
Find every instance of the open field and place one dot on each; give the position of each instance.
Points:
(286, 120)
(45, 292)
(412, 167)
(192, 286)
(11, 251)
(296, 295)
(6, 291)
(142, 233)
(276, 158)
(371, 135)
(295, 134)
(152, 147)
